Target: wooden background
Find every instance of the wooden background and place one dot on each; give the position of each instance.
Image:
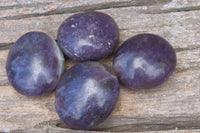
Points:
(172, 107)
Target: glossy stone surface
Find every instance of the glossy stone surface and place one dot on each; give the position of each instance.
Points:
(86, 95)
(88, 36)
(34, 64)
(144, 61)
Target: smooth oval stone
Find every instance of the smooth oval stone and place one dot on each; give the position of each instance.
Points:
(144, 61)
(88, 36)
(34, 64)
(86, 95)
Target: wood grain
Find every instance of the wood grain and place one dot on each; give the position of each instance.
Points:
(172, 107)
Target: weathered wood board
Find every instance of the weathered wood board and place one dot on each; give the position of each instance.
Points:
(172, 107)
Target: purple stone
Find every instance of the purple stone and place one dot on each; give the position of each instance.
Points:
(34, 64)
(88, 36)
(86, 95)
(144, 61)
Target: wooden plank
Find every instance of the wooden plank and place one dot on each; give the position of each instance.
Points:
(13, 9)
(55, 130)
(173, 105)
(20, 9)
(172, 26)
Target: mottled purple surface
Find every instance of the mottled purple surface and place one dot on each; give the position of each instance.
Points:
(144, 61)
(86, 95)
(34, 64)
(88, 36)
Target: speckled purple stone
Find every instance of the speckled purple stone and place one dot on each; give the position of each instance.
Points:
(34, 64)
(144, 61)
(88, 36)
(86, 95)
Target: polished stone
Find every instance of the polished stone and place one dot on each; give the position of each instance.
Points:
(144, 61)
(34, 64)
(88, 36)
(86, 95)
